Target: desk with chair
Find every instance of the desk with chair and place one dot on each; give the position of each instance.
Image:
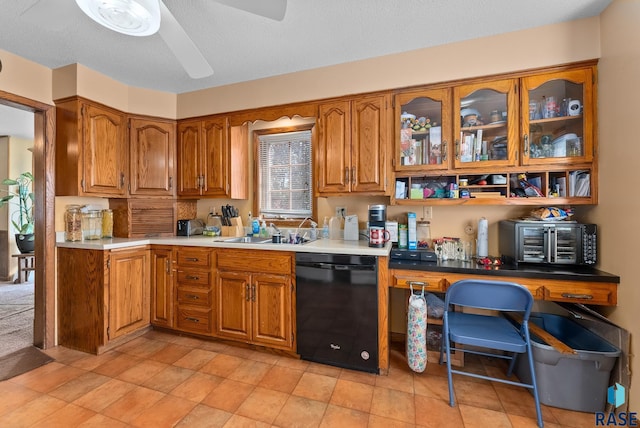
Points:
(26, 264)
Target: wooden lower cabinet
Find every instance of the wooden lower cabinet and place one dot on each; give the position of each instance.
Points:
(162, 286)
(102, 296)
(254, 298)
(194, 281)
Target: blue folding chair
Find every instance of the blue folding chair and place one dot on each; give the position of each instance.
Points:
(488, 331)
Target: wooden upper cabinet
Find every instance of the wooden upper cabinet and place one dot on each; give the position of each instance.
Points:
(91, 152)
(215, 158)
(558, 117)
(333, 154)
(188, 148)
(212, 158)
(352, 151)
(486, 124)
(152, 153)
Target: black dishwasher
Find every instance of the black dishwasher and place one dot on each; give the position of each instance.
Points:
(337, 310)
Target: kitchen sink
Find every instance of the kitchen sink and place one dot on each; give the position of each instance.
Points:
(257, 240)
(248, 240)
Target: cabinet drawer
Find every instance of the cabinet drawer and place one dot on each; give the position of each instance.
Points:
(431, 281)
(194, 296)
(591, 293)
(255, 261)
(195, 257)
(195, 320)
(201, 278)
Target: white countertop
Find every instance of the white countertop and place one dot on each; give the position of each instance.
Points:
(320, 246)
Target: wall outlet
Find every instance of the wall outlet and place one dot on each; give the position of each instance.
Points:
(427, 213)
(341, 212)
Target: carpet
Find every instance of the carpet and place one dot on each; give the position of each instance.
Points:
(22, 361)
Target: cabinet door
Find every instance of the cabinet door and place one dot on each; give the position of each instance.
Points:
(557, 117)
(423, 121)
(152, 153)
(486, 124)
(370, 139)
(271, 310)
(161, 287)
(104, 151)
(189, 158)
(128, 291)
(333, 154)
(215, 152)
(233, 305)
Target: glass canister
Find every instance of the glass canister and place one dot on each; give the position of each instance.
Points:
(73, 223)
(107, 223)
(423, 233)
(92, 224)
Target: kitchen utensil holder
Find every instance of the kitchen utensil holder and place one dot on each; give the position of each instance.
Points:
(236, 228)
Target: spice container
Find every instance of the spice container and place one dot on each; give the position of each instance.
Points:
(403, 231)
(107, 223)
(92, 225)
(73, 223)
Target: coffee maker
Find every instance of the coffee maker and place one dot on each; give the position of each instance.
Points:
(377, 223)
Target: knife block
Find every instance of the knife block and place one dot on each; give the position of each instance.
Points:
(236, 228)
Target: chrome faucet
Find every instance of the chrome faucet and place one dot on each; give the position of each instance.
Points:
(275, 228)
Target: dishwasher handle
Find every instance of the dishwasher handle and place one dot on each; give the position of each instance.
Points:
(335, 266)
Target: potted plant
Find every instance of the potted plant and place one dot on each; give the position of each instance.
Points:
(23, 218)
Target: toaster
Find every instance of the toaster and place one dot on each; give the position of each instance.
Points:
(190, 227)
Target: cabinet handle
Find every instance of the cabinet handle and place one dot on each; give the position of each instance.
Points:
(346, 175)
(170, 183)
(121, 180)
(526, 145)
(444, 151)
(457, 149)
(247, 292)
(191, 259)
(166, 265)
(353, 176)
(577, 296)
(253, 293)
(195, 278)
(192, 297)
(191, 319)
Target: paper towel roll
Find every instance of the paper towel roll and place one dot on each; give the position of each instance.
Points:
(482, 246)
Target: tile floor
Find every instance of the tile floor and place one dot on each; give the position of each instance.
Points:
(163, 380)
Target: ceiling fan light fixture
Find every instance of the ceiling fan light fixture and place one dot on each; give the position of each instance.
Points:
(131, 17)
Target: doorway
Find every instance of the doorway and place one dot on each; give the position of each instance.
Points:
(44, 201)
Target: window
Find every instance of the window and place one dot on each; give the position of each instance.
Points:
(285, 175)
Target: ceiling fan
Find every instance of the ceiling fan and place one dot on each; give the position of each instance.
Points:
(147, 17)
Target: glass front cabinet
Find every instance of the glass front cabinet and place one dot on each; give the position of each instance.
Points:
(557, 128)
(423, 123)
(526, 139)
(486, 131)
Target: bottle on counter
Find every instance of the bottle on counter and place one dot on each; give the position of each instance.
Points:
(325, 229)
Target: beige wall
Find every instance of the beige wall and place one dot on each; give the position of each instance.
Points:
(538, 47)
(618, 210)
(22, 77)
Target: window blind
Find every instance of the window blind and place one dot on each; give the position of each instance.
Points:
(285, 175)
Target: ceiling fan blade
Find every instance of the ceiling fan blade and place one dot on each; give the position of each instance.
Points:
(51, 15)
(182, 46)
(273, 9)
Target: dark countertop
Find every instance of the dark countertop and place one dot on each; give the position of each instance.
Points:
(571, 273)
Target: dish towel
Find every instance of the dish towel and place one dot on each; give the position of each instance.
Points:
(417, 332)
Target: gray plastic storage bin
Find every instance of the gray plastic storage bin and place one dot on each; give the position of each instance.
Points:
(569, 381)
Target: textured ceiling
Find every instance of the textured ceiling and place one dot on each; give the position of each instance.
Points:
(241, 46)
